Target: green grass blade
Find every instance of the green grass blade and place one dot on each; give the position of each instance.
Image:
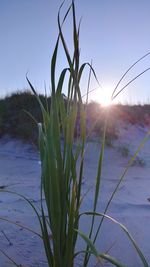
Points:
(96, 254)
(88, 86)
(38, 98)
(121, 179)
(92, 69)
(26, 199)
(20, 225)
(97, 188)
(46, 240)
(53, 66)
(62, 38)
(61, 81)
(135, 78)
(76, 39)
(111, 260)
(10, 259)
(103, 215)
(54, 57)
(89, 243)
(131, 67)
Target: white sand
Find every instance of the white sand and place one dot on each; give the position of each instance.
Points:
(20, 171)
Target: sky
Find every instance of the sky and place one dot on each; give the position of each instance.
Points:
(114, 34)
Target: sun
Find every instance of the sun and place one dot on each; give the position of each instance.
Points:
(105, 101)
(103, 96)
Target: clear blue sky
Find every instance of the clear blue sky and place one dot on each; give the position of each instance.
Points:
(114, 34)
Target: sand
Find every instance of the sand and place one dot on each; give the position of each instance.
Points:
(20, 172)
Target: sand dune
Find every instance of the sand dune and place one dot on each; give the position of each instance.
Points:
(20, 172)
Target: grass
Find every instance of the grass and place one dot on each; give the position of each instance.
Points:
(125, 152)
(61, 183)
(139, 162)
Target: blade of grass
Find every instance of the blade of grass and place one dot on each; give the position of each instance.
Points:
(103, 215)
(140, 59)
(135, 78)
(121, 179)
(96, 254)
(20, 225)
(97, 188)
(10, 259)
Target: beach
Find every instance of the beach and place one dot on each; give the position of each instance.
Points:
(20, 172)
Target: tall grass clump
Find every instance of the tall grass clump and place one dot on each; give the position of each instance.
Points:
(61, 183)
(61, 180)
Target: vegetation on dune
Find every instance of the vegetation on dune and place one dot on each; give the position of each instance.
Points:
(16, 121)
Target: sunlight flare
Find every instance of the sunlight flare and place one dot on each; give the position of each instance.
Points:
(103, 96)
